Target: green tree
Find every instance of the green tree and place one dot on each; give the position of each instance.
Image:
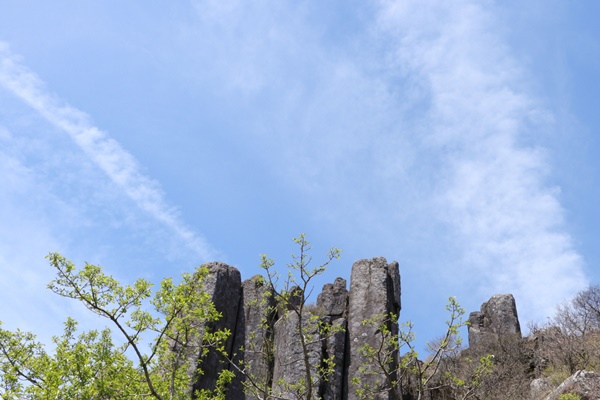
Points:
(163, 331)
(291, 301)
(409, 374)
(87, 366)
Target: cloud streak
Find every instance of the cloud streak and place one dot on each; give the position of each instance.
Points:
(493, 186)
(120, 166)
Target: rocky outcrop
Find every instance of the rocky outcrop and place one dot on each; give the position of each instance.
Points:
(498, 317)
(539, 388)
(585, 384)
(266, 341)
(266, 354)
(334, 298)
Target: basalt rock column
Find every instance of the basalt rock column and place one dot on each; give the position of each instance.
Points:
(374, 290)
(333, 301)
(224, 284)
(253, 350)
(289, 366)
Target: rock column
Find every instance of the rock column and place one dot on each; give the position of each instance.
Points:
(333, 301)
(498, 317)
(224, 284)
(374, 291)
(253, 350)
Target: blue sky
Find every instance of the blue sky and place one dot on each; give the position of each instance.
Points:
(456, 137)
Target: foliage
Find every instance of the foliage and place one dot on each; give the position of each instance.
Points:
(569, 396)
(409, 373)
(383, 358)
(570, 341)
(506, 363)
(91, 365)
(466, 385)
(291, 302)
(88, 366)
(159, 335)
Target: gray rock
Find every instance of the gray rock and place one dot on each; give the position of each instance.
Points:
(224, 285)
(296, 297)
(475, 326)
(498, 317)
(374, 290)
(334, 298)
(253, 341)
(335, 346)
(270, 353)
(586, 384)
(289, 365)
(539, 388)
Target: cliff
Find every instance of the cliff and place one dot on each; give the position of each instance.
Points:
(274, 345)
(255, 322)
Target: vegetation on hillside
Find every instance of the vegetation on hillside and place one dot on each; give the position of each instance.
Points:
(157, 334)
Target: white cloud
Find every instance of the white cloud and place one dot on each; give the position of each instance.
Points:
(488, 131)
(105, 152)
(436, 123)
(387, 137)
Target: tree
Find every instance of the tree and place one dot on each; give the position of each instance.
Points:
(409, 374)
(88, 366)
(495, 367)
(92, 366)
(570, 341)
(289, 303)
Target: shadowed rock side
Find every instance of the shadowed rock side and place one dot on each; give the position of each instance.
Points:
(333, 300)
(224, 284)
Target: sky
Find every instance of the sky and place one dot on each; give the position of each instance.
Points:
(459, 138)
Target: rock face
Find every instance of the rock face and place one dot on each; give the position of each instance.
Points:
(289, 364)
(224, 284)
(254, 333)
(333, 300)
(266, 340)
(498, 317)
(539, 388)
(374, 291)
(341, 333)
(585, 384)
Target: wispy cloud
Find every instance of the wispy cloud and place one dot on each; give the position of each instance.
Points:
(120, 166)
(423, 124)
(494, 186)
